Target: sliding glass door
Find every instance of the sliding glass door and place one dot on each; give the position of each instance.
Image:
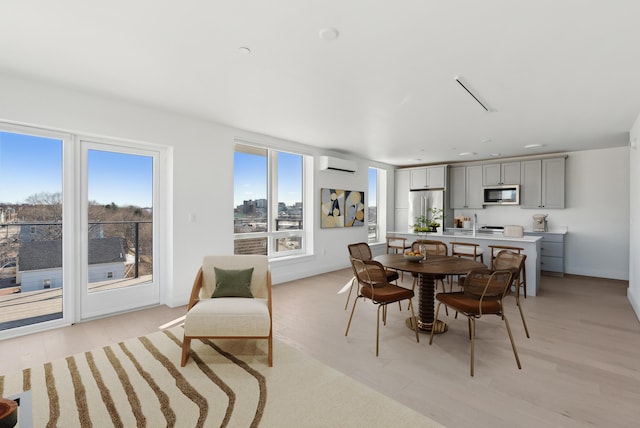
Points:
(79, 227)
(119, 272)
(32, 283)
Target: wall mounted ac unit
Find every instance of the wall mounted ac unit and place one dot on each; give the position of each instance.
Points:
(328, 163)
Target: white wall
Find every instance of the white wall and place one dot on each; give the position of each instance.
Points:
(200, 165)
(596, 213)
(633, 291)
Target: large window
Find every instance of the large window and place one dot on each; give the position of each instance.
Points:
(376, 204)
(268, 201)
(372, 211)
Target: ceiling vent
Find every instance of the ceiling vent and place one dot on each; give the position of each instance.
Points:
(458, 79)
(328, 163)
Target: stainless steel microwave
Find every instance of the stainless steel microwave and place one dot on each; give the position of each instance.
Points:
(507, 194)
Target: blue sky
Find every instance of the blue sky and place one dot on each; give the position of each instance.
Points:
(31, 164)
(250, 178)
(121, 178)
(371, 197)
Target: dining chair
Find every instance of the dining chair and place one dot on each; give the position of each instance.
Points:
(483, 294)
(374, 285)
(467, 249)
(362, 251)
(397, 245)
(510, 260)
(230, 299)
(496, 249)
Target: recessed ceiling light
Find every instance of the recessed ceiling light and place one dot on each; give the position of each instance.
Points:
(329, 33)
(494, 154)
(533, 146)
(244, 50)
(486, 140)
(467, 153)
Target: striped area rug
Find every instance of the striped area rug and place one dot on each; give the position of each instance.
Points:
(139, 383)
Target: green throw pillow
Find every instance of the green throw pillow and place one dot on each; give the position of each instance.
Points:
(233, 283)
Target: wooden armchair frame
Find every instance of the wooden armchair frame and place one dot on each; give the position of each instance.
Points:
(199, 294)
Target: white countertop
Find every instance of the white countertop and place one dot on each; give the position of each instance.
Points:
(466, 234)
(557, 230)
(530, 244)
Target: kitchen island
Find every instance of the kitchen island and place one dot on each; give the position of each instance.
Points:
(531, 245)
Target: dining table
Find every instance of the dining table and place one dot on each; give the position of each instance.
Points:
(427, 269)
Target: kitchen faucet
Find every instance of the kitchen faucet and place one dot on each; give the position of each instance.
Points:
(475, 221)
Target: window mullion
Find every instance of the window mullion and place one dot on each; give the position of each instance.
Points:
(272, 191)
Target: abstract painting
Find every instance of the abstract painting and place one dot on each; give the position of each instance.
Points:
(354, 208)
(332, 208)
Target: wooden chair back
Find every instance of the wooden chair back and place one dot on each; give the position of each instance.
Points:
(437, 248)
(360, 251)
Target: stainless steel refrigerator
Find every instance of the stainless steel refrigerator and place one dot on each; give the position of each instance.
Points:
(421, 202)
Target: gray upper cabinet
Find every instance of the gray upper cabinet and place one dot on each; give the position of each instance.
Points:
(465, 187)
(501, 173)
(432, 177)
(542, 183)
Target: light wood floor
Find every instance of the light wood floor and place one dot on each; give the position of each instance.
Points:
(581, 366)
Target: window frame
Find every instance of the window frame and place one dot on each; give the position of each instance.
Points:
(271, 235)
(381, 205)
(68, 227)
(96, 304)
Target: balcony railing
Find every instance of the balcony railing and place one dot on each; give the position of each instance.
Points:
(20, 307)
(135, 242)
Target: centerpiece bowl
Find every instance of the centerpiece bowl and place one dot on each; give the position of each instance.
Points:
(414, 258)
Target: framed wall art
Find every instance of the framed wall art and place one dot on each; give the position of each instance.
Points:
(341, 208)
(332, 208)
(354, 208)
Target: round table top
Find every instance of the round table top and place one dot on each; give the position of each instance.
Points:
(442, 265)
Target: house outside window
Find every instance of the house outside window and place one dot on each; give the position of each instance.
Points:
(268, 202)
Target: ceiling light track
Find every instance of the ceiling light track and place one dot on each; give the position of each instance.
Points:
(457, 79)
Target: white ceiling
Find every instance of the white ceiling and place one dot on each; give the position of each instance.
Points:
(561, 73)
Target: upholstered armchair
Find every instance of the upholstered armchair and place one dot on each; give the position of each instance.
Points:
(231, 299)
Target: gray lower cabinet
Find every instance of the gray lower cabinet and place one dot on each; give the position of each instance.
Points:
(551, 252)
